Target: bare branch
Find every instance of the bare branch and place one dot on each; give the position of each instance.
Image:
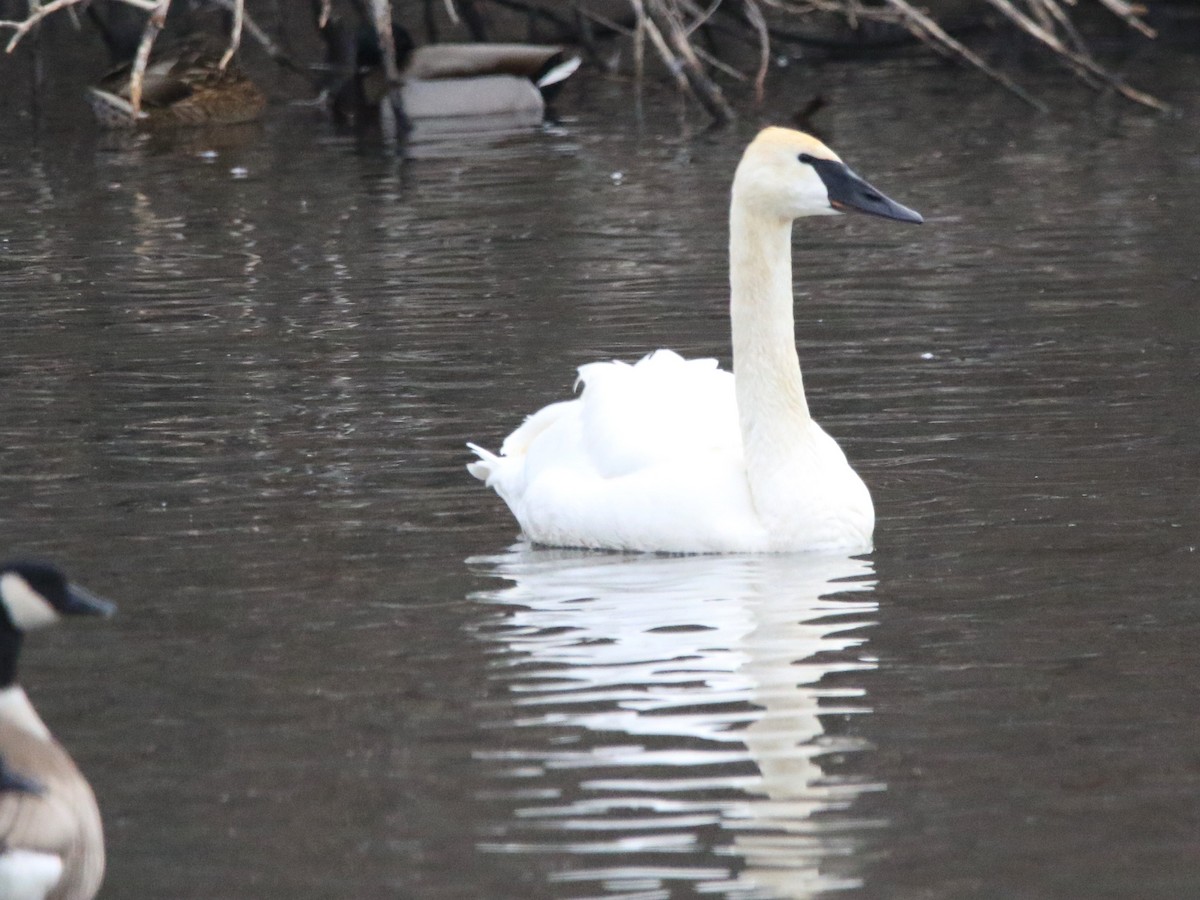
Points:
(154, 24)
(929, 30)
(716, 63)
(22, 27)
(1083, 65)
(268, 44)
(1128, 13)
(672, 28)
(614, 27)
(381, 18)
(235, 35)
(702, 16)
(1058, 15)
(647, 28)
(639, 43)
(670, 31)
(759, 23)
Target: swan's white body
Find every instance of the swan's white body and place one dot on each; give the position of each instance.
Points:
(678, 456)
(650, 457)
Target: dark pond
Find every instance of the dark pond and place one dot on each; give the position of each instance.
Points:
(237, 377)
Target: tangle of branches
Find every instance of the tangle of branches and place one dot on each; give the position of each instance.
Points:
(672, 30)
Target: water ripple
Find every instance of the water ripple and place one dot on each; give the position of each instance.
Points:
(717, 669)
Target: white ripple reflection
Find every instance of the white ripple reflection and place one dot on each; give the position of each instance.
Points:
(664, 719)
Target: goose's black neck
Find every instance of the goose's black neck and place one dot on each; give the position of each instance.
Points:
(10, 650)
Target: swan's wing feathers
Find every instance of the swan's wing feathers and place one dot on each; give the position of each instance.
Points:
(649, 457)
(686, 506)
(517, 443)
(650, 413)
(547, 439)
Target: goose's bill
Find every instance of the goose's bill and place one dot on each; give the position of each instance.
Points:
(82, 602)
(849, 192)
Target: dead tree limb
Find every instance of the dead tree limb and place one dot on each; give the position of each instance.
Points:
(1081, 63)
(381, 19)
(154, 25)
(759, 23)
(1128, 14)
(22, 27)
(268, 44)
(673, 44)
(235, 33)
(932, 33)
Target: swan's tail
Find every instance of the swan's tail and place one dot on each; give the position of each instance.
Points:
(485, 465)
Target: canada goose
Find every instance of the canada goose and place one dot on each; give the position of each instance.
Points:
(679, 456)
(446, 81)
(183, 86)
(51, 841)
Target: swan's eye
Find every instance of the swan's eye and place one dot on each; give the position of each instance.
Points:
(806, 159)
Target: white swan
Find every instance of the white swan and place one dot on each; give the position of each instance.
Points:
(678, 456)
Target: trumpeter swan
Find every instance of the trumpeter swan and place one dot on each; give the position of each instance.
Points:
(678, 456)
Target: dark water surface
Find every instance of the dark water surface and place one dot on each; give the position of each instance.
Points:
(237, 375)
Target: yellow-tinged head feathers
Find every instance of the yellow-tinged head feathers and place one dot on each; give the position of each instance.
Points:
(792, 141)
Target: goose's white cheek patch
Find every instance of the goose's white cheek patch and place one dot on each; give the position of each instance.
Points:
(28, 874)
(26, 607)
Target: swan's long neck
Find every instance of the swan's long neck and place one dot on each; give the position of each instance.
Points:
(770, 393)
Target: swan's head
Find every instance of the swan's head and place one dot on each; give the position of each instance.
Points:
(788, 174)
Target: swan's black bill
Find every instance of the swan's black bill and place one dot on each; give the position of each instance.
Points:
(849, 192)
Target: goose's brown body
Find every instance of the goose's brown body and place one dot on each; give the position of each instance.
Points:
(51, 839)
(61, 817)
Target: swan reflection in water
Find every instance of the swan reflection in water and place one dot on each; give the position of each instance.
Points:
(668, 717)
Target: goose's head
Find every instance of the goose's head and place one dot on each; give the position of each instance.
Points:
(787, 174)
(34, 594)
